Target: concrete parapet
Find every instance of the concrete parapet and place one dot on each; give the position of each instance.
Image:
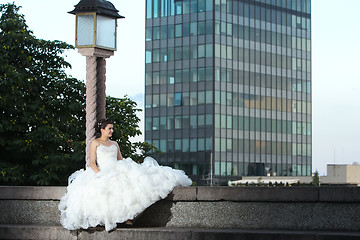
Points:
(280, 208)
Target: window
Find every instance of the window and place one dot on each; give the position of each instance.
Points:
(163, 124)
(201, 28)
(178, 30)
(193, 121)
(193, 98)
(163, 32)
(209, 50)
(177, 122)
(170, 123)
(149, 9)
(193, 29)
(156, 55)
(156, 8)
(201, 50)
(177, 99)
(193, 145)
(185, 145)
(148, 101)
(201, 74)
(155, 123)
(148, 34)
(156, 33)
(148, 124)
(178, 7)
(148, 56)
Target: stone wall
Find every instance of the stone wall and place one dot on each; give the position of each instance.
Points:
(282, 208)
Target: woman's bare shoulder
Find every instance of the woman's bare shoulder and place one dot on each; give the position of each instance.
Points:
(95, 142)
(114, 142)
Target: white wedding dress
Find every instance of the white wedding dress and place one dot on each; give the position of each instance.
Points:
(120, 191)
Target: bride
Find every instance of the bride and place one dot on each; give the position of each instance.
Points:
(114, 190)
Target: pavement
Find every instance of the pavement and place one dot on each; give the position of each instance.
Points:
(18, 231)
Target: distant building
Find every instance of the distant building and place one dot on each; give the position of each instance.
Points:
(342, 174)
(228, 87)
(337, 174)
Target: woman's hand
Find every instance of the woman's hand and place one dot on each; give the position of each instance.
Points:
(98, 174)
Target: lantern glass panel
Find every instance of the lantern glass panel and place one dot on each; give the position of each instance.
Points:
(85, 30)
(106, 32)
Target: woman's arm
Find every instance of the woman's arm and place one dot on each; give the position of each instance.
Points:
(119, 156)
(94, 144)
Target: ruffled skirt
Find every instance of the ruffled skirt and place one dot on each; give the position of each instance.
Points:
(116, 194)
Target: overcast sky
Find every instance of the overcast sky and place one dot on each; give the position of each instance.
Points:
(335, 65)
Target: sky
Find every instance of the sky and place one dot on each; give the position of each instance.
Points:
(335, 66)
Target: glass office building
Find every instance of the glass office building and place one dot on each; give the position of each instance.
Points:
(228, 87)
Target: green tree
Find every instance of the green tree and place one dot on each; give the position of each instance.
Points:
(126, 125)
(316, 179)
(41, 108)
(42, 123)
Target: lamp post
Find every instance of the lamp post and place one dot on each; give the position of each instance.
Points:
(95, 38)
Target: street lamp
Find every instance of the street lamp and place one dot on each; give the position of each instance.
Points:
(95, 38)
(95, 24)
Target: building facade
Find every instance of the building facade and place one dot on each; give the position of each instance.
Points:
(228, 87)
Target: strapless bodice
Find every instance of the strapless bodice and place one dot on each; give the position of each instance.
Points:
(106, 156)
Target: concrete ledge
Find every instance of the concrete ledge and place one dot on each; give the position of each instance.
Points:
(258, 194)
(31, 192)
(339, 194)
(57, 232)
(281, 208)
(240, 194)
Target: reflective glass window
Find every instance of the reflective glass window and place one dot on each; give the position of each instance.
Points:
(194, 6)
(148, 124)
(156, 55)
(177, 145)
(171, 31)
(201, 74)
(201, 28)
(201, 5)
(155, 123)
(148, 78)
(148, 102)
(193, 145)
(209, 5)
(186, 29)
(148, 34)
(162, 123)
(178, 7)
(209, 50)
(156, 78)
(170, 123)
(156, 8)
(177, 99)
(193, 98)
(201, 97)
(185, 145)
(201, 50)
(178, 30)
(186, 6)
(177, 122)
(163, 99)
(163, 32)
(193, 29)
(149, 9)
(162, 147)
(193, 121)
(193, 75)
(148, 56)
(201, 144)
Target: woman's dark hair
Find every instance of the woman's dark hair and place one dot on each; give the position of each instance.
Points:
(101, 124)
